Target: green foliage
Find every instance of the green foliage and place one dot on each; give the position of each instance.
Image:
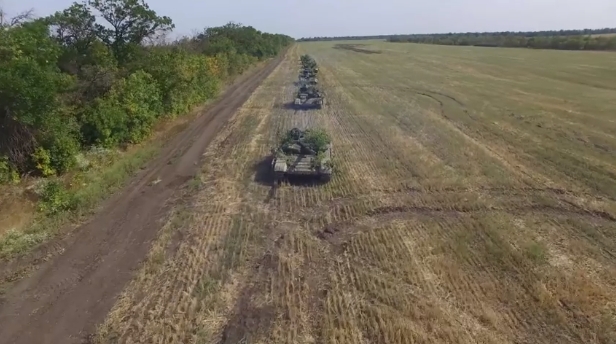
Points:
(317, 138)
(7, 173)
(63, 150)
(126, 114)
(308, 62)
(183, 79)
(318, 163)
(58, 143)
(85, 76)
(55, 198)
(42, 160)
(243, 40)
(141, 102)
(129, 23)
(29, 79)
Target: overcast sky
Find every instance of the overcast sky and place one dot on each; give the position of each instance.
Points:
(309, 18)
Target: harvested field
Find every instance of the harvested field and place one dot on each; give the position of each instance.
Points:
(473, 201)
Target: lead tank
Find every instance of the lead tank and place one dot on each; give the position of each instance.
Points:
(304, 153)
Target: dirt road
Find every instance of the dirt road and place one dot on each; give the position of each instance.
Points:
(68, 296)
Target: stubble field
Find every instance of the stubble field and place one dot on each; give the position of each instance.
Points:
(473, 202)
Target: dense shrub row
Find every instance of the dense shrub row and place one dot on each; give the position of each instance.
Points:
(100, 73)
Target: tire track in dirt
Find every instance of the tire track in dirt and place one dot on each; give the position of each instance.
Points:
(69, 295)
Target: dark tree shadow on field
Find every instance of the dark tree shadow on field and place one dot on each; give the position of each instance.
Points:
(354, 47)
(287, 106)
(299, 108)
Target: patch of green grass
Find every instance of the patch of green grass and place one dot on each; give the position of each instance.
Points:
(537, 252)
(195, 183)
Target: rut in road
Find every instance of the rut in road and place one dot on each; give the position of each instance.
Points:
(68, 296)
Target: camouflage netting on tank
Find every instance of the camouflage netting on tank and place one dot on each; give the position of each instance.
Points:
(309, 89)
(308, 62)
(309, 141)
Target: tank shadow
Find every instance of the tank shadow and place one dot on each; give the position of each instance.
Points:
(287, 106)
(304, 181)
(263, 171)
(292, 106)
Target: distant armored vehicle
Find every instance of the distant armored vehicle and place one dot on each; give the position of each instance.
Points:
(303, 153)
(309, 80)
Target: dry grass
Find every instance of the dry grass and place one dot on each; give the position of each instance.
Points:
(473, 202)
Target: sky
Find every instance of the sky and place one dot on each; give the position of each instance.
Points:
(312, 18)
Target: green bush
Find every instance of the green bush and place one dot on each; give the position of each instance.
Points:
(183, 79)
(317, 138)
(126, 114)
(162, 65)
(63, 150)
(72, 80)
(55, 198)
(30, 81)
(140, 98)
(104, 122)
(42, 161)
(7, 172)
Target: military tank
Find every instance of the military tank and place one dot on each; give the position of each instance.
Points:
(308, 79)
(309, 96)
(305, 153)
(307, 73)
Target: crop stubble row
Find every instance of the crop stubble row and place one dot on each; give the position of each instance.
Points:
(516, 314)
(405, 244)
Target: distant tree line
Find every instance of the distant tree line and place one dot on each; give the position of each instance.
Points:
(587, 39)
(342, 38)
(102, 73)
(564, 39)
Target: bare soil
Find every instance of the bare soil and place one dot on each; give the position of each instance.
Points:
(69, 294)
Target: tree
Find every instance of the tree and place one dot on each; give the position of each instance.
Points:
(6, 21)
(101, 71)
(30, 85)
(74, 29)
(130, 21)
